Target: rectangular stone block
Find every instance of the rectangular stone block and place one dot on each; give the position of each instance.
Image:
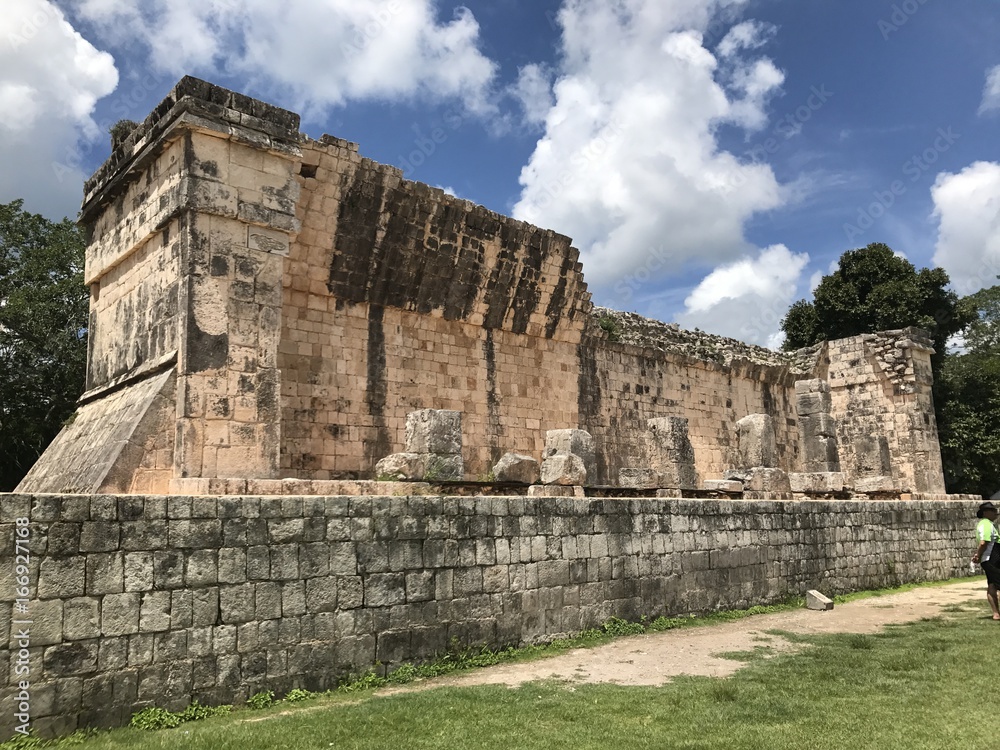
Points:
(434, 431)
(817, 482)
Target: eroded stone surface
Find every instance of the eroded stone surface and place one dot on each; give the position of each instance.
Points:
(515, 467)
(816, 482)
(757, 446)
(564, 469)
(434, 431)
(576, 442)
(645, 479)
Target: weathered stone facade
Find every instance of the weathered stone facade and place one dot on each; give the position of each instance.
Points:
(142, 600)
(268, 306)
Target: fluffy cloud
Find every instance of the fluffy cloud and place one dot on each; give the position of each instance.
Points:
(629, 164)
(967, 207)
(50, 79)
(991, 91)
(747, 299)
(315, 54)
(534, 90)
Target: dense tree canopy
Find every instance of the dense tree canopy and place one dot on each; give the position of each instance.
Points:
(43, 317)
(968, 388)
(876, 290)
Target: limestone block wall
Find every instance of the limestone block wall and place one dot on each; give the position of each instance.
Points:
(623, 386)
(304, 299)
(881, 388)
(149, 600)
(399, 297)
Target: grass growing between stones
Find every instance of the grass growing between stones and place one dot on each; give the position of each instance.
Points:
(914, 685)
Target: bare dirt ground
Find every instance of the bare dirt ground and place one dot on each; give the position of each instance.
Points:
(654, 659)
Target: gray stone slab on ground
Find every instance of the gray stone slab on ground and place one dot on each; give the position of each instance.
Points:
(816, 600)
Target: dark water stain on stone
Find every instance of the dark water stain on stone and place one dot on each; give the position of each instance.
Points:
(494, 428)
(377, 446)
(589, 403)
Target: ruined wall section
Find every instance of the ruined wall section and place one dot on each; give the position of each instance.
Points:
(881, 391)
(633, 369)
(157, 601)
(636, 384)
(188, 223)
(399, 297)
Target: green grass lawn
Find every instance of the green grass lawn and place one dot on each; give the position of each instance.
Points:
(913, 686)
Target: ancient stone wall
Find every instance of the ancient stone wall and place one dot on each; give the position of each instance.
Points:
(625, 385)
(304, 299)
(881, 389)
(140, 600)
(399, 297)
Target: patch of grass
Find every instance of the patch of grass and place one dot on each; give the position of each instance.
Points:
(757, 653)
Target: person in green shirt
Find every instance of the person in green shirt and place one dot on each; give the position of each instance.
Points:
(988, 552)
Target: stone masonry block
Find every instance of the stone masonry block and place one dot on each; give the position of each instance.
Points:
(120, 614)
(767, 480)
(444, 468)
(564, 469)
(816, 482)
(875, 484)
(812, 397)
(434, 431)
(816, 600)
(871, 455)
(757, 443)
(817, 425)
(643, 479)
(576, 442)
(821, 454)
(81, 618)
(515, 467)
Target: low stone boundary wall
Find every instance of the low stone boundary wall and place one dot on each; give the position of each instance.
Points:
(122, 602)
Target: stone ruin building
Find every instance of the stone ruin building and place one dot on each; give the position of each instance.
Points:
(265, 306)
(275, 322)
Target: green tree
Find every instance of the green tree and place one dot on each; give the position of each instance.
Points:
(968, 389)
(874, 289)
(43, 320)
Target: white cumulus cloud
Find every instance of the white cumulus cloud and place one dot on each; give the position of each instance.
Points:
(747, 299)
(629, 164)
(991, 91)
(315, 53)
(967, 207)
(50, 80)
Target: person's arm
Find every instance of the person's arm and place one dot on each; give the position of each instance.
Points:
(979, 551)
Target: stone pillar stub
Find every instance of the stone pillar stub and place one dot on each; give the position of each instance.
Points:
(578, 443)
(670, 453)
(434, 431)
(757, 443)
(817, 428)
(433, 449)
(564, 469)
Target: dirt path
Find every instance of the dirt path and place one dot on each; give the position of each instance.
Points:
(653, 659)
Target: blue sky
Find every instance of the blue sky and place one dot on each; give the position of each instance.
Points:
(711, 158)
